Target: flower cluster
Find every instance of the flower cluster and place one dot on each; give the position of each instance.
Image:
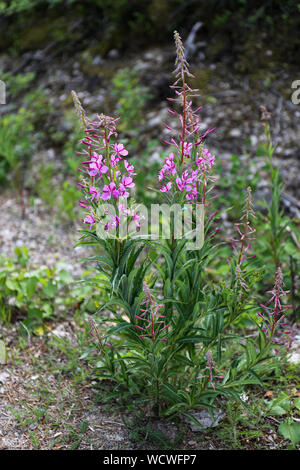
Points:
(106, 174)
(186, 170)
(189, 177)
(272, 316)
(211, 367)
(153, 320)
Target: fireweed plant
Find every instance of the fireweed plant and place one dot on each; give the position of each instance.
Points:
(273, 219)
(170, 337)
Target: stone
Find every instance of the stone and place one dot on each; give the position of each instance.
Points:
(235, 133)
(205, 419)
(4, 376)
(294, 357)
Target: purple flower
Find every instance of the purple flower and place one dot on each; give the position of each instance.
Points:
(89, 220)
(117, 179)
(127, 182)
(96, 165)
(129, 168)
(113, 224)
(166, 187)
(205, 161)
(184, 183)
(187, 148)
(168, 168)
(120, 150)
(192, 196)
(109, 190)
(94, 192)
(161, 175)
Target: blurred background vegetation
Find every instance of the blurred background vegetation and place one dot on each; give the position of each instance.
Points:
(233, 24)
(119, 55)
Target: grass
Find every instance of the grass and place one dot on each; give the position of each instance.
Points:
(54, 402)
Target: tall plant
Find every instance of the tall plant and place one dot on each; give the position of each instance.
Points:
(175, 331)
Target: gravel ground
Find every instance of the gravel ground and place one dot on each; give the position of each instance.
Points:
(47, 240)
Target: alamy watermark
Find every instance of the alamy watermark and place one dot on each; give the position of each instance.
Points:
(159, 221)
(2, 92)
(296, 94)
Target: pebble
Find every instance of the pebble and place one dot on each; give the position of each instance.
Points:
(294, 358)
(235, 133)
(205, 420)
(4, 376)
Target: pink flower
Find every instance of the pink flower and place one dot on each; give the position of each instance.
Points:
(94, 193)
(183, 184)
(123, 209)
(192, 196)
(126, 183)
(166, 187)
(114, 160)
(168, 168)
(129, 167)
(89, 220)
(161, 175)
(109, 190)
(120, 150)
(96, 165)
(113, 224)
(136, 218)
(206, 160)
(187, 148)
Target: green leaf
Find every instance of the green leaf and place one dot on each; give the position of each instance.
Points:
(194, 339)
(47, 310)
(290, 430)
(297, 403)
(31, 284)
(256, 376)
(65, 276)
(11, 284)
(50, 289)
(280, 405)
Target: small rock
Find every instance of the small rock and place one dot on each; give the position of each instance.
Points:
(113, 54)
(205, 420)
(154, 122)
(253, 140)
(60, 331)
(235, 133)
(4, 376)
(294, 358)
(98, 60)
(192, 443)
